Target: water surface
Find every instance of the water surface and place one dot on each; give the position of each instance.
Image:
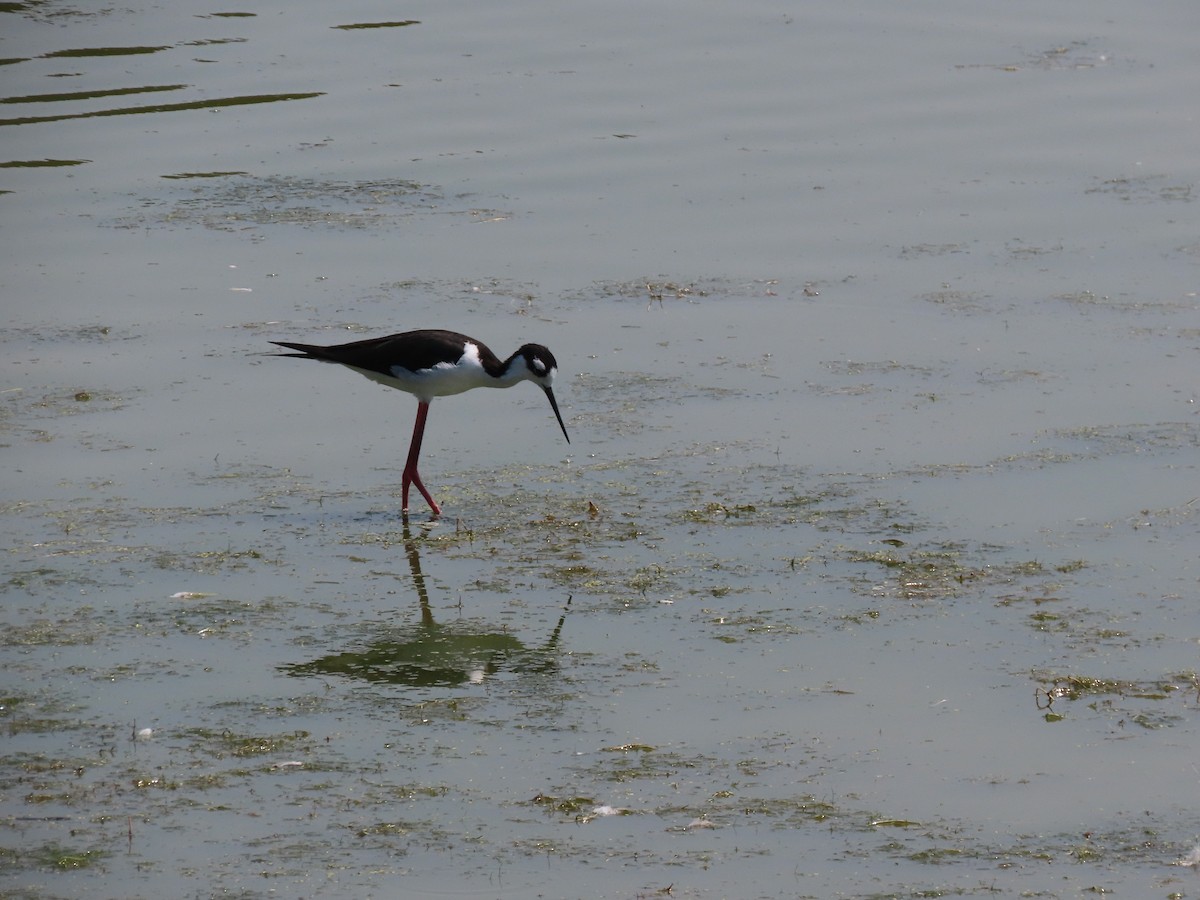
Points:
(870, 569)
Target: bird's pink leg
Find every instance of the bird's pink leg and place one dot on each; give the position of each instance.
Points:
(410, 475)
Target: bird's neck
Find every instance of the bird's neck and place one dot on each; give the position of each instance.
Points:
(511, 371)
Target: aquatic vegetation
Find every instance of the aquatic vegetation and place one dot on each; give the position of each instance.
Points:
(1122, 700)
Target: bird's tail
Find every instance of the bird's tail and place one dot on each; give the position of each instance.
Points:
(303, 351)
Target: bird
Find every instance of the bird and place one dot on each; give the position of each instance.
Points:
(433, 363)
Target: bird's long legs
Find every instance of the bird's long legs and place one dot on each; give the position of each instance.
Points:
(411, 475)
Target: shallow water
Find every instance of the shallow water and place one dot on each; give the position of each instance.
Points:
(870, 568)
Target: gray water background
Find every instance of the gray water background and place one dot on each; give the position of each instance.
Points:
(870, 569)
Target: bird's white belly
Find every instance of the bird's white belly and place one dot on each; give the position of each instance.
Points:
(443, 380)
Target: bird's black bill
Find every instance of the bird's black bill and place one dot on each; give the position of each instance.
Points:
(557, 415)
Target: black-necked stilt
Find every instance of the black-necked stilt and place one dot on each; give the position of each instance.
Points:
(434, 363)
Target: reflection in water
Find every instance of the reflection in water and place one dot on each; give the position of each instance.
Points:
(433, 655)
(360, 25)
(68, 96)
(166, 107)
(104, 51)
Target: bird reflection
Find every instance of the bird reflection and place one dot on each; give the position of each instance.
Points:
(432, 655)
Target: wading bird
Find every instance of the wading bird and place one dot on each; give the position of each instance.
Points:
(434, 363)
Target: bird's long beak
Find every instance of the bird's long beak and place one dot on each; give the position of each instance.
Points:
(557, 415)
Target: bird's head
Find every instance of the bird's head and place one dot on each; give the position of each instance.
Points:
(540, 368)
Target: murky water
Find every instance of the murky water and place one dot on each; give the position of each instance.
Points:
(870, 570)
